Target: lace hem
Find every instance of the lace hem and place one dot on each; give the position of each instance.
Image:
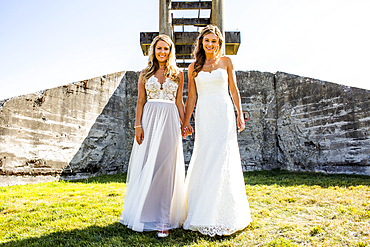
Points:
(215, 230)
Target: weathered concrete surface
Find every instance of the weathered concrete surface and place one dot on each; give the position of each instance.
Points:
(258, 141)
(85, 128)
(106, 148)
(322, 126)
(57, 130)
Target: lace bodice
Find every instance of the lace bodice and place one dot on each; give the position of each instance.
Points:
(154, 91)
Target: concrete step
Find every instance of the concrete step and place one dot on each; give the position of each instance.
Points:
(199, 22)
(191, 5)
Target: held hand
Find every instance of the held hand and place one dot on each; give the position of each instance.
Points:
(186, 130)
(241, 123)
(139, 135)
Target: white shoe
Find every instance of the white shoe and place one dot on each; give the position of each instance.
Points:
(162, 234)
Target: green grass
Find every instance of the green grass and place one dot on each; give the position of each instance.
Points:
(288, 209)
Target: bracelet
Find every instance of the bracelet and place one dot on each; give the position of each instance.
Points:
(138, 126)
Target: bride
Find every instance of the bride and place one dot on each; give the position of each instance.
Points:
(154, 198)
(216, 202)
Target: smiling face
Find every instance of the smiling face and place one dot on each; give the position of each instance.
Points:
(210, 43)
(162, 51)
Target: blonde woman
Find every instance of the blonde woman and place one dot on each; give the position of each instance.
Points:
(154, 199)
(214, 188)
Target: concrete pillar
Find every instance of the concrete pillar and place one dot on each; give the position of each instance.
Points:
(165, 26)
(218, 16)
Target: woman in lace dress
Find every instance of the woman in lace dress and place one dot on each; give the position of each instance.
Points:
(215, 192)
(154, 198)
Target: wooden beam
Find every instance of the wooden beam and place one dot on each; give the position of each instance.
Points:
(185, 38)
(184, 49)
(217, 16)
(178, 56)
(183, 65)
(165, 26)
(191, 5)
(232, 37)
(191, 21)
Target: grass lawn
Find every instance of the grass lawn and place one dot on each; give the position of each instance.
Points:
(288, 209)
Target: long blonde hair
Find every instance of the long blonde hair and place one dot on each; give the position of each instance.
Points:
(171, 70)
(199, 53)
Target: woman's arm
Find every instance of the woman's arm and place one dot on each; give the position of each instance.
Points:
(179, 100)
(139, 134)
(190, 102)
(234, 91)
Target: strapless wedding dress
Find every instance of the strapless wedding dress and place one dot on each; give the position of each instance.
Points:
(154, 198)
(216, 202)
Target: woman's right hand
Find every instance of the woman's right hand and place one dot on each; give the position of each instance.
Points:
(186, 129)
(139, 135)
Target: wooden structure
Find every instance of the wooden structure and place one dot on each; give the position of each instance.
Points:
(184, 40)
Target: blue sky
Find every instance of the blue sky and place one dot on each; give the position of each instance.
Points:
(45, 44)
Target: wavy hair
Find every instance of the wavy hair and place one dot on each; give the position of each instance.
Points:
(171, 70)
(199, 53)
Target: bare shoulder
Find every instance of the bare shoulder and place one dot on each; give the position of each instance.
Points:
(227, 63)
(142, 73)
(141, 76)
(191, 69)
(226, 60)
(191, 66)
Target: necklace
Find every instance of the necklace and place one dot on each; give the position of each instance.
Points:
(211, 62)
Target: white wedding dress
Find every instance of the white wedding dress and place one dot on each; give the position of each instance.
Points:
(154, 198)
(216, 201)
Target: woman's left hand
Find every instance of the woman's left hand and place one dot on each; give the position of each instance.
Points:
(241, 123)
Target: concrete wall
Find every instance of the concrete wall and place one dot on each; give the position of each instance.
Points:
(258, 141)
(73, 131)
(322, 126)
(85, 128)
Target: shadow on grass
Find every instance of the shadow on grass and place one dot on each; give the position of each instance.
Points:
(276, 176)
(116, 235)
(104, 179)
(286, 178)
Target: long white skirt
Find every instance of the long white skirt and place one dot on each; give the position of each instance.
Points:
(154, 198)
(214, 189)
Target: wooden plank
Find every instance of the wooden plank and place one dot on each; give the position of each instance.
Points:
(231, 49)
(184, 49)
(179, 56)
(185, 38)
(147, 37)
(201, 22)
(191, 5)
(183, 65)
(190, 37)
(232, 37)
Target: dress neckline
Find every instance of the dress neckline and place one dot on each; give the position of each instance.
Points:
(157, 80)
(210, 72)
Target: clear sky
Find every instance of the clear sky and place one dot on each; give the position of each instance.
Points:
(48, 43)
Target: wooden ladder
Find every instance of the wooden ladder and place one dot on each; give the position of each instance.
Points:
(184, 40)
